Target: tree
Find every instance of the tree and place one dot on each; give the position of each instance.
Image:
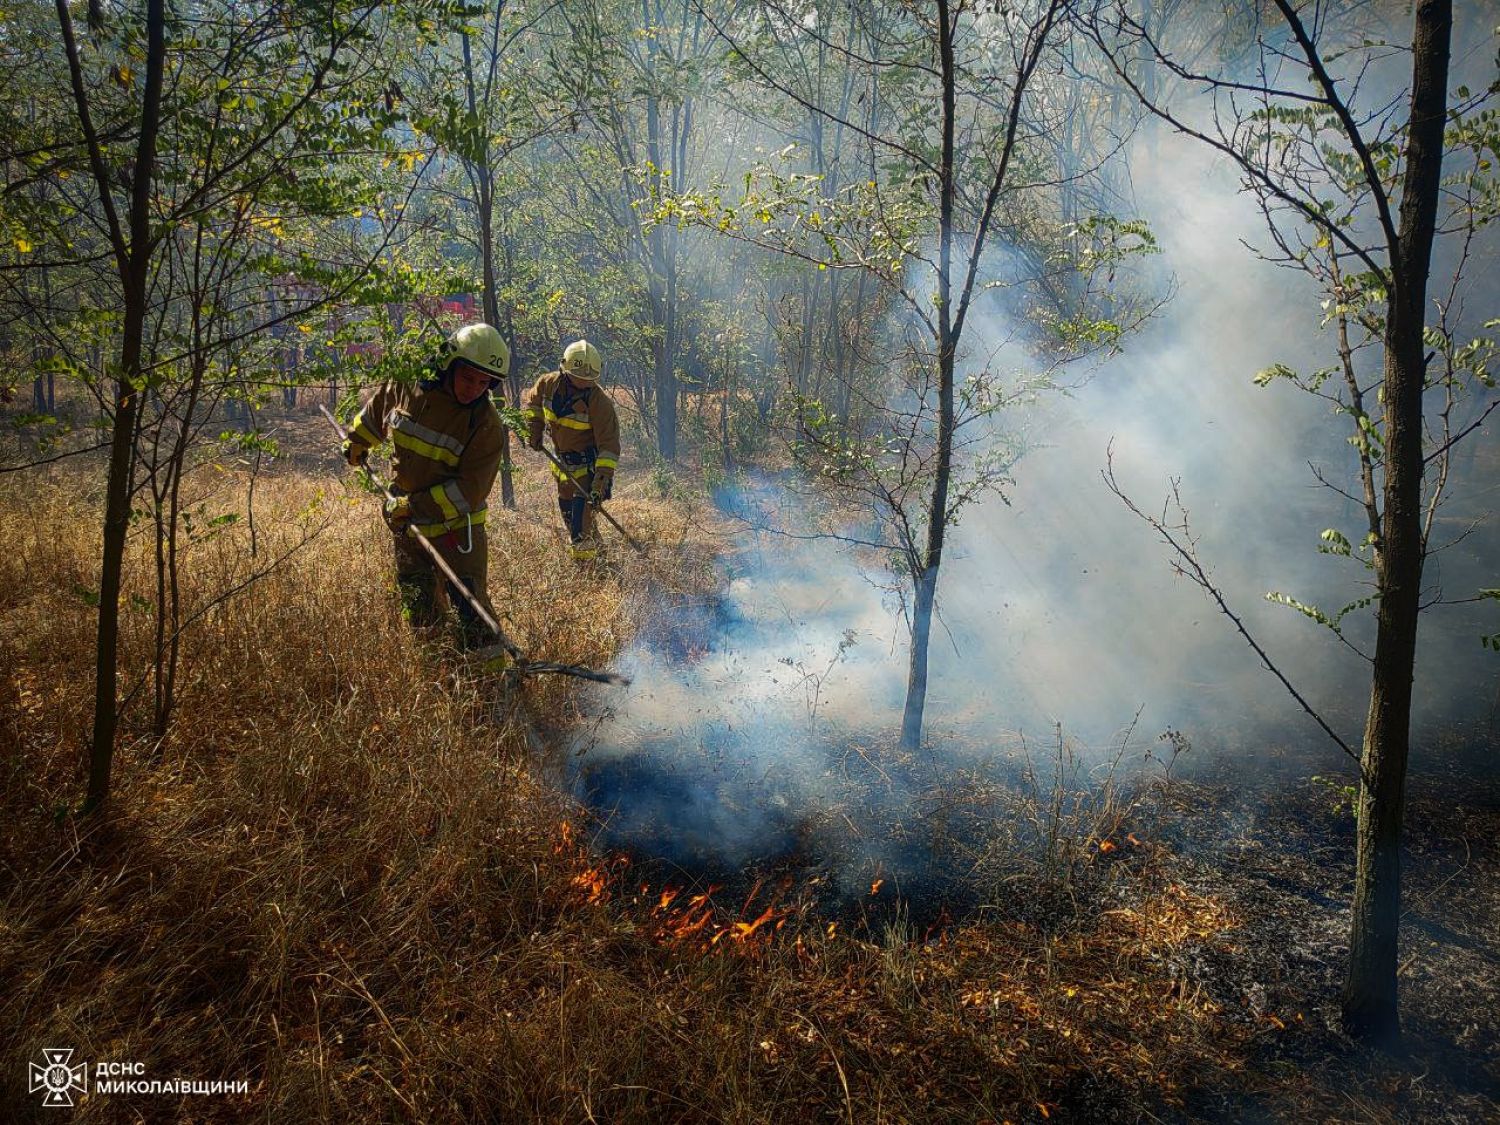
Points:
(236, 129)
(482, 111)
(635, 76)
(958, 84)
(130, 241)
(1352, 197)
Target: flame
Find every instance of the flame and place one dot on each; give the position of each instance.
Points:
(743, 930)
(687, 925)
(700, 918)
(755, 890)
(876, 885)
(1133, 840)
(688, 921)
(593, 879)
(1107, 846)
(594, 882)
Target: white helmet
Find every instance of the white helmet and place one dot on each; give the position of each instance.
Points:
(582, 361)
(480, 345)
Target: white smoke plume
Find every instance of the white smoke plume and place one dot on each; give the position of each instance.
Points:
(1061, 608)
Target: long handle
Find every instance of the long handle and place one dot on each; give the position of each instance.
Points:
(597, 505)
(437, 558)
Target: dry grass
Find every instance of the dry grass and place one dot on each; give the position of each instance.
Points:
(345, 883)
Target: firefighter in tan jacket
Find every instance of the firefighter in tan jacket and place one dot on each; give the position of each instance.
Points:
(447, 446)
(578, 416)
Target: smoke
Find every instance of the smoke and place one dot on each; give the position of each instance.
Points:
(1059, 608)
(1063, 607)
(723, 755)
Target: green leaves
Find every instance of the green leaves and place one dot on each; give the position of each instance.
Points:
(457, 129)
(1335, 543)
(1341, 792)
(1082, 332)
(1266, 377)
(1103, 241)
(199, 526)
(1334, 623)
(251, 441)
(1492, 640)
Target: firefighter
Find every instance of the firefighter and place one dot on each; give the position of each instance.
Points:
(448, 443)
(580, 419)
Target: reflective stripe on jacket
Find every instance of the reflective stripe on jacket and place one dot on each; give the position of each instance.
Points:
(580, 420)
(444, 455)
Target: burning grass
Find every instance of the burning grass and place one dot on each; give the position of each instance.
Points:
(342, 878)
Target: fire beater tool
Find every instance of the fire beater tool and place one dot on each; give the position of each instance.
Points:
(597, 504)
(520, 664)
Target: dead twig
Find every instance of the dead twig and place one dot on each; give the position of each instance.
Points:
(1184, 546)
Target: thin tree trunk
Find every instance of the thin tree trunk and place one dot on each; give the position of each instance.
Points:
(726, 389)
(133, 253)
(1370, 994)
(492, 313)
(804, 349)
(666, 370)
(159, 661)
(847, 336)
(937, 509)
(170, 613)
(485, 204)
(509, 328)
(916, 673)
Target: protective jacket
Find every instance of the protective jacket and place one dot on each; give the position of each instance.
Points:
(582, 424)
(445, 454)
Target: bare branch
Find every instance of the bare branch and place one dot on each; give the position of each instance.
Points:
(53, 460)
(1180, 540)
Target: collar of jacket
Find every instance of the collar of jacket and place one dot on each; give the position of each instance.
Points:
(441, 384)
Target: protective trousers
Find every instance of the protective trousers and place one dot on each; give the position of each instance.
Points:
(424, 590)
(578, 514)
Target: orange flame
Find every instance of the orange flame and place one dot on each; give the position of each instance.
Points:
(699, 918)
(1107, 846)
(687, 926)
(743, 930)
(594, 882)
(876, 885)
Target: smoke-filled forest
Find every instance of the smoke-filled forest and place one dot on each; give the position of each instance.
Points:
(691, 560)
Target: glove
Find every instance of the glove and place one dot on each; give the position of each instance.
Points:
(604, 480)
(398, 514)
(356, 454)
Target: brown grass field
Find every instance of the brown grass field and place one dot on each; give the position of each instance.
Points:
(343, 878)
